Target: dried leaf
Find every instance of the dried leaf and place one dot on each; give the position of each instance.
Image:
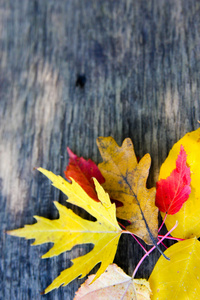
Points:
(70, 230)
(126, 182)
(173, 191)
(114, 284)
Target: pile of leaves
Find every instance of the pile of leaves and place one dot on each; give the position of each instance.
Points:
(122, 178)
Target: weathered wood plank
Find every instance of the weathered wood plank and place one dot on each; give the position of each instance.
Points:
(141, 63)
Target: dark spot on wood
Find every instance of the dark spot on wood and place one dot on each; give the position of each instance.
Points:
(81, 80)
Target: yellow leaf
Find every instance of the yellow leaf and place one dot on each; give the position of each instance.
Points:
(188, 216)
(178, 278)
(126, 182)
(114, 284)
(70, 230)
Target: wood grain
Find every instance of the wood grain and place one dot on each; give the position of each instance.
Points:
(141, 64)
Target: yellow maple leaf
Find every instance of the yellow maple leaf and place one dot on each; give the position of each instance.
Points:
(188, 216)
(126, 182)
(114, 284)
(70, 230)
(178, 278)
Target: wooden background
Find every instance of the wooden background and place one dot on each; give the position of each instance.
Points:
(71, 71)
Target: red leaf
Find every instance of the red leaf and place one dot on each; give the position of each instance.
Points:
(173, 191)
(83, 171)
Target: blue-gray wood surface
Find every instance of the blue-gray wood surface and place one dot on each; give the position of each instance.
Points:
(71, 71)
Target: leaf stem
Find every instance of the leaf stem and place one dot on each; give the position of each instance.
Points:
(163, 222)
(139, 242)
(146, 254)
(172, 238)
(163, 244)
(121, 225)
(128, 232)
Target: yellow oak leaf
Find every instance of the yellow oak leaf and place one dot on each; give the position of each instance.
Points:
(114, 284)
(126, 182)
(71, 230)
(188, 216)
(178, 278)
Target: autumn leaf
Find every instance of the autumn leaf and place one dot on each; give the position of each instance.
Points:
(188, 216)
(178, 278)
(114, 284)
(173, 191)
(126, 182)
(83, 171)
(71, 230)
